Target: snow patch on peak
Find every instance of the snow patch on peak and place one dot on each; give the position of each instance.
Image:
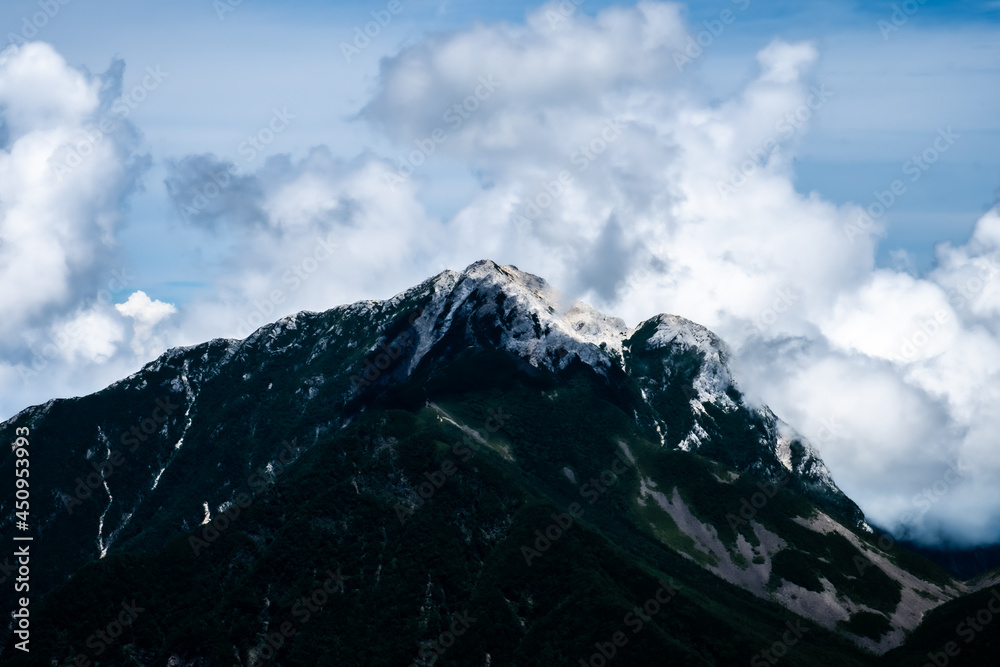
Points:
(542, 327)
(810, 466)
(442, 286)
(783, 450)
(488, 269)
(714, 378)
(677, 330)
(596, 328)
(695, 438)
(534, 324)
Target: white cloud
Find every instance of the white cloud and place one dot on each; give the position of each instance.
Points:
(146, 314)
(39, 92)
(144, 310)
(90, 336)
(62, 183)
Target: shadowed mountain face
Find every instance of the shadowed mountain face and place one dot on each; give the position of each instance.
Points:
(470, 473)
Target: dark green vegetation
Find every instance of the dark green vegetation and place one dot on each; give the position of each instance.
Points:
(404, 582)
(835, 559)
(968, 626)
(394, 525)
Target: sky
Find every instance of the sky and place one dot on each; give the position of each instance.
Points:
(815, 181)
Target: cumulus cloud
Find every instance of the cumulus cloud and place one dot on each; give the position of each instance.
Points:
(146, 313)
(69, 160)
(209, 192)
(541, 81)
(90, 335)
(144, 310)
(321, 232)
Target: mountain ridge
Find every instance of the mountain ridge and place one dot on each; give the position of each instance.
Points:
(723, 485)
(530, 326)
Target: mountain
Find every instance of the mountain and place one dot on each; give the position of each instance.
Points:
(962, 562)
(469, 473)
(960, 632)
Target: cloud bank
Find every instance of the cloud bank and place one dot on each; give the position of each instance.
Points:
(68, 162)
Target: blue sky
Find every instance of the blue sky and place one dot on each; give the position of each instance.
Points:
(227, 73)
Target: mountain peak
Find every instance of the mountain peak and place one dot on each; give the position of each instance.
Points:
(372, 389)
(524, 314)
(674, 329)
(669, 358)
(489, 271)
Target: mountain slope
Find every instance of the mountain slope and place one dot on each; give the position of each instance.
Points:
(433, 440)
